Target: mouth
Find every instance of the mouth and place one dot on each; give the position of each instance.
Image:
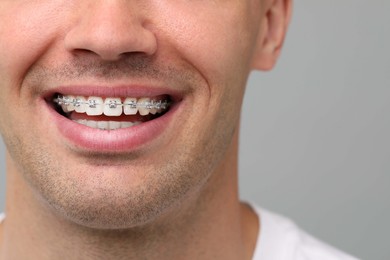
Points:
(113, 119)
(111, 113)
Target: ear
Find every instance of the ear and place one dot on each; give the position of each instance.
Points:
(274, 23)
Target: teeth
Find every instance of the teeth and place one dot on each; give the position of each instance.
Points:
(144, 106)
(106, 125)
(79, 104)
(113, 107)
(153, 109)
(94, 106)
(114, 125)
(83, 122)
(67, 105)
(130, 106)
(91, 123)
(127, 124)
(102, 125)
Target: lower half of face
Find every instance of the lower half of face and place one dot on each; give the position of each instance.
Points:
(68, 119)
(111, 189)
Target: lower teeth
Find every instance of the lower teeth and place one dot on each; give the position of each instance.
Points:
(106, 125)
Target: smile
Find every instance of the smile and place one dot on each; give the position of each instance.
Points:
(113, 119)
(118, 112)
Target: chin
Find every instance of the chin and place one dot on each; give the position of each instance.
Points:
(114, 203)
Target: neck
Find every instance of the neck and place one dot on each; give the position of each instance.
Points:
(212, 225)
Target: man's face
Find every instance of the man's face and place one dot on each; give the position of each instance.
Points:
(194, 54)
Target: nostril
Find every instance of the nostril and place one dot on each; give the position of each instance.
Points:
(84, 51)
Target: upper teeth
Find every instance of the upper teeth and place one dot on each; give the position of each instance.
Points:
(95, 106)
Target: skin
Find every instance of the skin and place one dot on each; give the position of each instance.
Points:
(175, 198)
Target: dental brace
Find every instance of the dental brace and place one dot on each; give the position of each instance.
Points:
(113, 104)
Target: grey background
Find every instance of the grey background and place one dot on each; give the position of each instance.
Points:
(314, 142)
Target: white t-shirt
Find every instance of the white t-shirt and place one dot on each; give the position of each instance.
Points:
(281, 239)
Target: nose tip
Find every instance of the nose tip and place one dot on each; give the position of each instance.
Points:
(113, 45)
(110, 32)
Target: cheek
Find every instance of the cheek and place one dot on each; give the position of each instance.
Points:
(216, 38)
(216, 52)
(27, 29)
(221, 54)
(218, 44)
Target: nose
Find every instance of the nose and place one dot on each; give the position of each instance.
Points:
(110, 29)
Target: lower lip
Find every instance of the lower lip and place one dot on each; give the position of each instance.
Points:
(120, 140)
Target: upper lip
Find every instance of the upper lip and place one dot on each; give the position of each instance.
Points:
(114, 91)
